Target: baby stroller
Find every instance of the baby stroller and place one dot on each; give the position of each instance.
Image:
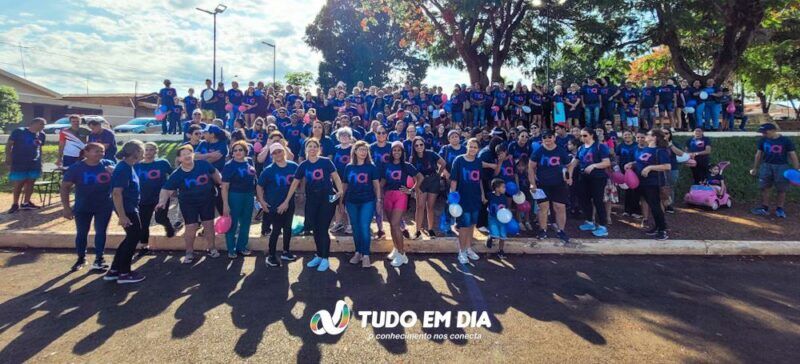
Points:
(701, 195)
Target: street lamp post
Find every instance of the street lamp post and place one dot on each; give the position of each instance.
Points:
(218, 10)
(274, 54)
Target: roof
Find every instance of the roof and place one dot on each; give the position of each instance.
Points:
(33, 85)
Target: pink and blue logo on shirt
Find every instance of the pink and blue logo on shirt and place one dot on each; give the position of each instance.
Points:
(644, 157)
(151, 174)
(198, 181)
(361, 178)
(90, 178)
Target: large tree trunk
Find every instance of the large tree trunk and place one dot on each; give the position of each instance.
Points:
(762, 98)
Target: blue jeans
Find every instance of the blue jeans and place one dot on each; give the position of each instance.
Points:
(592, 113)
(478, 116)
(699, 114)
(232, 116)
(360, 218)
(241, 205)
(83, 221)
(712, 110)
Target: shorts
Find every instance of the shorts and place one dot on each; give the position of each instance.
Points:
(537, 110)
(633, 121)
(666, 106)
(771, 175)
(196, 213)
(574, 114)
(467, 219)
(556, 194)
(431, 184)
(394, 200)
(208, 115)
(496, 229)
(19, 176)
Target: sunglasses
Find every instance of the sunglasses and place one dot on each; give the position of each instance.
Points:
(381, 133)
(419, 145)
(238, 150)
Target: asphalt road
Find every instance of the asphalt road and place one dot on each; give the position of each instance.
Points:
(541, 309)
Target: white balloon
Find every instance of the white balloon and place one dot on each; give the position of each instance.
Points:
(624, 186)
(504, 216)
(539, 194)
(703, 95)
(455, 210)
(688, 110)
(518, 198)
(435, 114)
(682, 158)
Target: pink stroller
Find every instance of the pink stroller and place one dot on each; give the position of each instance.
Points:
(701, 195)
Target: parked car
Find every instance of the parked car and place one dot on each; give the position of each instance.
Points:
(139, 126)
(63, 123)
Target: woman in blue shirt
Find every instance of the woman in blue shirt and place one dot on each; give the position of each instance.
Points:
(153, 173)
(92, 180)
(465, 178)
(273, 186)
(546, 171)
(394, 183)
(432, 168)
(195, 183)
(238, 179)
(126, 195)
(320, 176)
(362, 193)
(650, 162)
(592, 159)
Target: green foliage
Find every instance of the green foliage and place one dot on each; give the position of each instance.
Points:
(10, 112)
(573, 64)
(302, 78)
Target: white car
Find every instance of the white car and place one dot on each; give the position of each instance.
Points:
(139, 126)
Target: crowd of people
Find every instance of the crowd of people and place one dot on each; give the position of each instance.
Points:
(371, 153)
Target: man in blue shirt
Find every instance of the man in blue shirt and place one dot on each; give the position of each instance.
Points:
(24, 157)
(590, 96)
(647, 104)
(773, 156)
(189, 103)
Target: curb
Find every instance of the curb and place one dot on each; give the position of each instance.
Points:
(23, 239)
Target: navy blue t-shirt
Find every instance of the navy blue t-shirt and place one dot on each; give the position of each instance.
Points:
(92, 186)
(519, 151)
(496, 202)
(235, 97)
(591, 94)
(317, 175)
(591, 155)
(276, 180)
(220, 146)
(27, 154)
(467, 174)
(626, 153)
(167, 95)
(666, 94)
(191, 104)
(359, 180)
(698, 145)
(240, 175)
(396, 174)
(125, 177)
(648, 97)
(550, 165)
(776, 151)
(105, 136)
(426, 164)
(152, 177)
(195, 187)
(449, 154)
(650, 156)
(380, 155)
(341, 157)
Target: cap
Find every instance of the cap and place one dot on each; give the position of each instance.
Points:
(766, 127)
(275, 147)
(546, 133)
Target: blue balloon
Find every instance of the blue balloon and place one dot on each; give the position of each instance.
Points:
(792, 175)
(420, 131)
(163, 108)
(448, 106)
(444, 225)
(512, 228)
(453, 197)
(691, 103)
(258, 93)
(511, 188)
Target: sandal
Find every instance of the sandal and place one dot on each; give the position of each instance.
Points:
(213, 253)
(188, 258)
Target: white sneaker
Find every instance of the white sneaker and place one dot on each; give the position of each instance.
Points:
(397, 260)
(348, 230)
(392, 254)
(472, 255)
(522, 227)
(462, 257)
(528, 226)
(405, 258)
(483, 229)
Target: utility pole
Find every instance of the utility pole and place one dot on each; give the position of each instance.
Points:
(218, 10)
(22, 60)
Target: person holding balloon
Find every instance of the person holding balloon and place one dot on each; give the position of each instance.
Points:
(592, 159)
(238, 179)
(546, 171)
(499, 216)
(395, 178)
(194, 181)
(650, 162)
(465, 178)
(774, 154)
(165, 104)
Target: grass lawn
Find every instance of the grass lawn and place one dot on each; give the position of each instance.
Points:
(738, 150)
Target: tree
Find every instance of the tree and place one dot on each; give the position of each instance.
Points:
(10, 112)
(573, 63)
(657, 64)
(356, 50)
(302, 78)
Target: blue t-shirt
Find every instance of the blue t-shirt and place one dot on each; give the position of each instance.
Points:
(563, 141)
(219, 146)
(341, 157)
(648, 97)
(467, 175)
(240, 175)
(507, 171)
(698, 145)
(591, 155)
(519, 151)
(327, 147)
(607, 92)
(276, 180)
(292, 133)
(496, 202)
(380, 155)
(476, 96)
(359, 180)
(125, 177)
(152, 177)
(650, 156)
(396, 174)
(317, 175)
(235, 97)
(167, 95)
(550, 165)
(776, 151)
(105, 136)
(666, 94)
(92, 186)
(626, 152)
(591, 94)
(449, 154)
(27, 155)
(190, 103)
(426, 164)
(195, 187)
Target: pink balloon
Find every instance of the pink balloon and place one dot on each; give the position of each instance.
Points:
(618, 178)
(242, 108)
(731, 108)
(257, 147)
(495, 108)
(228, 107)
(410, 182)
(444, 97)
(160, 117)
(524, 207)
(222, 225)
(631, 179)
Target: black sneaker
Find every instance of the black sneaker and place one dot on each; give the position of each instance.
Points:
(272, 261)
(177, 225)
(111, 275)
(418, 235)
(501, 254)
(661, 235)
(288, 256)
(541, 235)
(79, 264)
(132, 277)
(406, 234)
(306, 233)
(381, 235)
(170, 231)
(259, 215)
(29, 206)
(563, 236)
(490, 242)
(669, 210)
(100, 265)
(14, 208)
(431, 233)
(651, 232)
(201, 231)
(145, 250)
(266, 231)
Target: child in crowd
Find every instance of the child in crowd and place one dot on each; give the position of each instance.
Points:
(524, 218)
(574, 207)
(715, 179)
(497, 230)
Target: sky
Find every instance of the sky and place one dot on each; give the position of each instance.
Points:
(123, 46)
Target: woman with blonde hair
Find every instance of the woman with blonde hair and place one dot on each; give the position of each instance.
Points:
(362, 191)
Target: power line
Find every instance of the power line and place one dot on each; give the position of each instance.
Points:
(40, 50)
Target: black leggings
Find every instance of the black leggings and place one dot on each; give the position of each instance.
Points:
(591, 191)
(652, 195)
(281, 222)
(125, 250)
(320, 211)
(632, 205)
(700, 171)
(146, 213)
